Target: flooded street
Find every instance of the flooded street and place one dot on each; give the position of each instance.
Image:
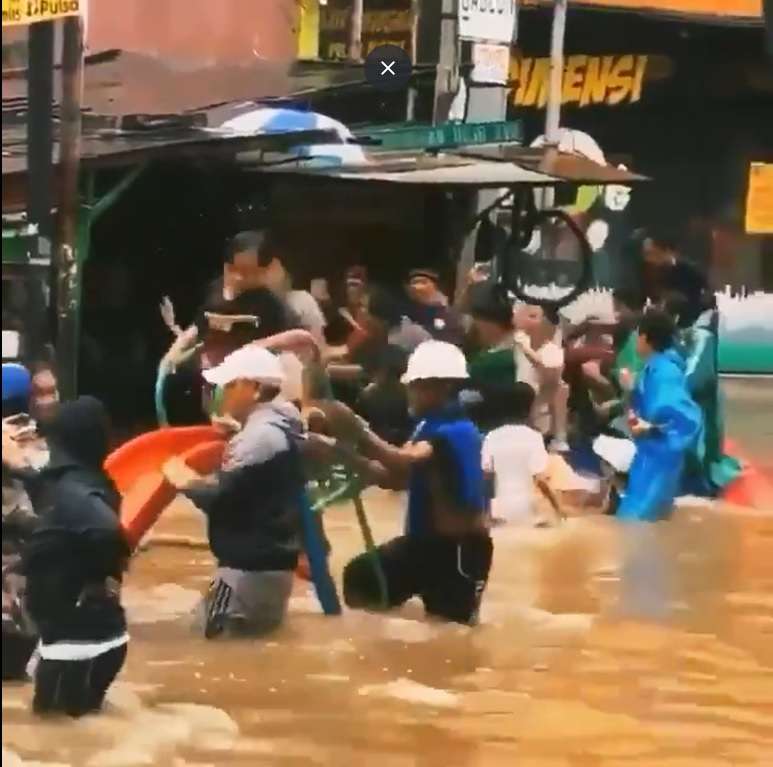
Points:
(599, 646)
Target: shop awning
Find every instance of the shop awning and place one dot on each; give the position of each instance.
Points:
(570, 167)
(451, 171)
(170, 138)
(492, 166)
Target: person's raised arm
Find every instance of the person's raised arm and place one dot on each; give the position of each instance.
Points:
(181, 349)
(549, 373)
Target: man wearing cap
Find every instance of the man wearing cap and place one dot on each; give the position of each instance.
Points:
(492, 368)
(445, 555)
(429, 307)
(252, 503)
(245, 306)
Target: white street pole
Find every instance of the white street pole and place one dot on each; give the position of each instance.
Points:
(555, 91)
(553, 113)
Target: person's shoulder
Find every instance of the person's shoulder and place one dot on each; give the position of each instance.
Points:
(505, 430)
(529, 434)
(461, 428)
(78, 506)
(305, 305)
(498, 438)
(261, 440)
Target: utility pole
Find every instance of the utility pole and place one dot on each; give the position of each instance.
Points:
(40, 141)
(40, 98)
(355, 30)
(68, 260)
(555, 94)
(553, 111)
(447, 77)
(410, 109)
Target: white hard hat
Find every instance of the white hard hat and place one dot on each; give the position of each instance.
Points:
(251, 363)
(436, 359)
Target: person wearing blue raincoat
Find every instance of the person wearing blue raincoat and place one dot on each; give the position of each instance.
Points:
(665, 421)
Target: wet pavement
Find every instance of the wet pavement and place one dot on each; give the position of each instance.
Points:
(599, 646)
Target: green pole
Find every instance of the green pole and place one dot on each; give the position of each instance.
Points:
(71, 278)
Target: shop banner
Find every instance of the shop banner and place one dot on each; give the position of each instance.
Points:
(491, 21)
(739, 9)
(759, 199)
(587, 80)
(31, 11)
(378, 28)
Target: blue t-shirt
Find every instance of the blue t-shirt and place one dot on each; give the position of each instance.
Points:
(458, 443)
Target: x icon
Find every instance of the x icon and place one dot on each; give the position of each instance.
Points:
(388, 67)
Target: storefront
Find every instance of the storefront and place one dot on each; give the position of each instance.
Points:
(690, 104)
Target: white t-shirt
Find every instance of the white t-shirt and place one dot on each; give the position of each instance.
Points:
(306, 308)
(551, 354)
(515, 455)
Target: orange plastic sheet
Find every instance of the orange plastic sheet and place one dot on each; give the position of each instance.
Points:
(136, 470)
(752, 488)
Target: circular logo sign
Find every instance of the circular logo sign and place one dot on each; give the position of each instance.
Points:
(388, 68)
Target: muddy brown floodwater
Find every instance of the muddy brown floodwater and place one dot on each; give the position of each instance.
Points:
(599, 646)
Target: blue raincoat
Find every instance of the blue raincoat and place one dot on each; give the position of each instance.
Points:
(661, 398)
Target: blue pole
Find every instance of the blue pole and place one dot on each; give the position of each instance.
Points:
(315, 551)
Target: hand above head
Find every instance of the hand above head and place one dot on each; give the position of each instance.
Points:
(167, 313)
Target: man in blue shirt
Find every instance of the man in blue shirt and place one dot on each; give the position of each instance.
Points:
(445, 555)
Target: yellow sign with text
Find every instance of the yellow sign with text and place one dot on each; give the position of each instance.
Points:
(759, 199)
(588, 80)
(30, 11)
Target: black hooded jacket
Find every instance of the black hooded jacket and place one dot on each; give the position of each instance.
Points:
(76, 557)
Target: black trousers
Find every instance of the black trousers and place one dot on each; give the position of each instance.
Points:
(449, 574)
(76, 687)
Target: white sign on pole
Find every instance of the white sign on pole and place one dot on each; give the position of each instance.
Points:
(490, 63)
(490, 21)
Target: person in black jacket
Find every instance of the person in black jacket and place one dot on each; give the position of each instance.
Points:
(74, 562)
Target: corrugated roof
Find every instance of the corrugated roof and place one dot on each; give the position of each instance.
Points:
(135, 104)
(120, 83)
(423, 170)
(106, 147)
(573, 168)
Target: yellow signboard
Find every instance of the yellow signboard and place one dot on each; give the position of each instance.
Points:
(587, 80)
(30, 11)
(759, 199)
(739, 9)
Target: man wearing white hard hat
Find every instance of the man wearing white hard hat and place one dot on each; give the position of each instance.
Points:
(445, 555)
(252, 504)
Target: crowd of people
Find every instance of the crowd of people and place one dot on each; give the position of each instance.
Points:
(460, 404)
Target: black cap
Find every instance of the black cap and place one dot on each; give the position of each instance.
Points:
(492, 308)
